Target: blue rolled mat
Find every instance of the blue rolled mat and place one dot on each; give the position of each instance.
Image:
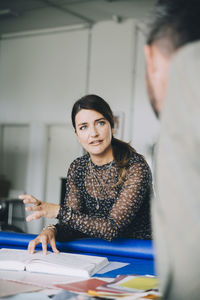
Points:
(15, 239)
(119, 247)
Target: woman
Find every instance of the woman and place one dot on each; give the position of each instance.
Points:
(108, 189)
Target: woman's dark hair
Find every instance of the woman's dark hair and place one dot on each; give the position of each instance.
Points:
(93, 102)
(122, 151)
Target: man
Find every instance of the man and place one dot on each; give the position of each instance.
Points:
(173, 82)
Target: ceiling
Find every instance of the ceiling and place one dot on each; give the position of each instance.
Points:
(25, 15)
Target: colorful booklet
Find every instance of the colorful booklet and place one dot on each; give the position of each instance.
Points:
(82, 286)
(135, 283)
(78, 265)
(124, 286)
(131, 286)
(90, 287)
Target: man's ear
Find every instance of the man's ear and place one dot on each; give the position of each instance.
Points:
(149, 55)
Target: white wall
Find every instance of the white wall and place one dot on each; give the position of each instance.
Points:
(42, 74)
(111, 73)
(144, 123)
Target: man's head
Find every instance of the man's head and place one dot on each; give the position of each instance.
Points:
(174, 24)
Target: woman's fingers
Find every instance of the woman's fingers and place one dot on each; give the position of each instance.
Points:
(32, 244)
(38, 212)
(40, 208)
(44, 244)
(52, 243)
(29, 199)
(47, 236)
(40, 239)
(34, 208)
(35, 216)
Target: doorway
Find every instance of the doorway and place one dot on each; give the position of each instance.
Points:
(62, 149)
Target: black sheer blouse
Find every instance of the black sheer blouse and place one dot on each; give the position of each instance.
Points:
(97, 206)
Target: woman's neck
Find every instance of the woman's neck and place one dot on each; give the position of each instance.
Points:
(102, 159)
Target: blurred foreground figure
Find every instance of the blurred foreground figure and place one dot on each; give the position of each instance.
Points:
(173, 82)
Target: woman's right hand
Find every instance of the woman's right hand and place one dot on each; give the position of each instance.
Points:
(47, 236)
(40, 208)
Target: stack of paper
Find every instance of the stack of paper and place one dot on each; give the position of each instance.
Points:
(126, 287)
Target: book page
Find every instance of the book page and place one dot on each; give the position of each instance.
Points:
(52, 263)
(13, 259)
(66, 264)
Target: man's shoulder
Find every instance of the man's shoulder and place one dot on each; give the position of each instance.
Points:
(183, 87)
(188, 54)
(190, 47)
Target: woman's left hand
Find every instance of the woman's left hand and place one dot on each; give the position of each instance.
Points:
(40, 208)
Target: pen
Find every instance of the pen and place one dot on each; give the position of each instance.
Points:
(102, 294)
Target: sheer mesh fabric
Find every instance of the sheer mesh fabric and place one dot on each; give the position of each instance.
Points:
(101, 207)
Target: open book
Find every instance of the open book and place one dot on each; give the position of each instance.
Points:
(52, 263)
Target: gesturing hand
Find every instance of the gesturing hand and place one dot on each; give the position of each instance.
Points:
(40, 208)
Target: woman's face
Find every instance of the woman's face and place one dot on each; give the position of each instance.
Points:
(94, 132)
